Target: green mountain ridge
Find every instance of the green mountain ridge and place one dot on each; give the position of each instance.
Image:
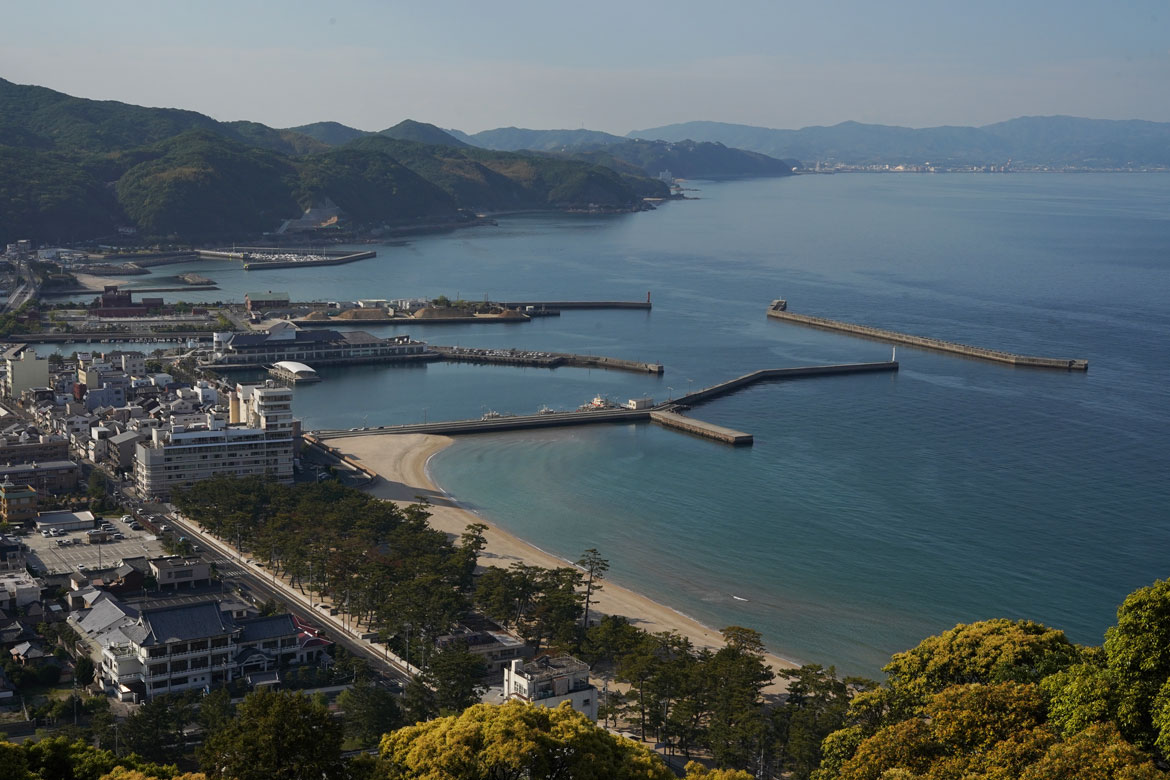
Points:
(514, 139)
(686, 159)
(330, 133)
(410, 130)
(682, 157)
(75, 169)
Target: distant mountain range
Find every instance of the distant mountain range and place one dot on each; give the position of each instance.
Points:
(1028, 142)
(511, 139)
(682, 158)
(1051, 141)
(73, 169)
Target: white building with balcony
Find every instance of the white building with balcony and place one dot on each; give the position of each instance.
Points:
(258, 441)
(190, 646)
(547, 681)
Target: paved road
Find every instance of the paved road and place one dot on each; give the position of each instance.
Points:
(261, 584)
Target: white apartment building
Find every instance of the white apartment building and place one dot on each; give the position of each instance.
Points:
(24, 370)
(178, 456)
(18, 589)
(546, 682)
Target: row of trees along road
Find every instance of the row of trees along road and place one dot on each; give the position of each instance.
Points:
(994, 699)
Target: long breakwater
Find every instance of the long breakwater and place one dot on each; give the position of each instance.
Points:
(778, 310)
(665, 414)
(516, 357)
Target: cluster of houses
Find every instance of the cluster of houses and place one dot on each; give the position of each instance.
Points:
(144, 641)
(108, 409)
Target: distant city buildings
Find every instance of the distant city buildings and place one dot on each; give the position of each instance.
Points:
(262, 301)
(284, 341)
(115, 303)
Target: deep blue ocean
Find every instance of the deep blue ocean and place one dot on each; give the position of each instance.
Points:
(872, 511)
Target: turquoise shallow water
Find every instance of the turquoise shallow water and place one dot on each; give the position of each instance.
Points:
(872, 510)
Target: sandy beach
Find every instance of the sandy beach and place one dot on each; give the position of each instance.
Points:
(401, 462)
(99, 283)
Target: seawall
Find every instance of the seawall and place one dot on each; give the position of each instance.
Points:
(776, 374)
(938, 345)
(521, 422)
(578, 304)
(700, 428)
(543, 359)
(322, 258)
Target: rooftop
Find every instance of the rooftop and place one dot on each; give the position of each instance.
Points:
(547, 667)
(184, 622)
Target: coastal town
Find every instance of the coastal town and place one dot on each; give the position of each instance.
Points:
(458, 392)
(127, 598)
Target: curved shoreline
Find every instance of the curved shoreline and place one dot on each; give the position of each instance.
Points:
(403, 463)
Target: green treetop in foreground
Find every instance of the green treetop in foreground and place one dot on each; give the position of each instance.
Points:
(517, 740)
(996, 700)
(1013, 699)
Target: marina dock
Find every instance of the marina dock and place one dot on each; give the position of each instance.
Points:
(779, 310)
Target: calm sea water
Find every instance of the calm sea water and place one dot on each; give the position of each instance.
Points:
(872, 510)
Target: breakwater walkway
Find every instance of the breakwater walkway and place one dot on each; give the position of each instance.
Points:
(665, 414)
(778, 310)
(558, 305)
(146, 337)
(516, 357)
(260, 258)
(776, 374)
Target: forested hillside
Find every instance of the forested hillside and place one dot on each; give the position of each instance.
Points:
(75, 169)
(687, 159)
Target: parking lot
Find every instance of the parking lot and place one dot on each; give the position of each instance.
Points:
(63, 554)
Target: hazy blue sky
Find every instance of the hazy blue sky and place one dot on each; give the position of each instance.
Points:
(606, 65)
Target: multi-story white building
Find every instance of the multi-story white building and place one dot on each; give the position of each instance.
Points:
(143, 654)
(546, 682)
(178, 456)
(24, 370)
(18, 589)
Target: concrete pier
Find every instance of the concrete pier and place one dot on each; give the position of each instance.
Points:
(775, 374)
(779, 311)
(664, 414)
(318, 258)
(495, 424)
(517, 357)
(577, 304)
(700, 428)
